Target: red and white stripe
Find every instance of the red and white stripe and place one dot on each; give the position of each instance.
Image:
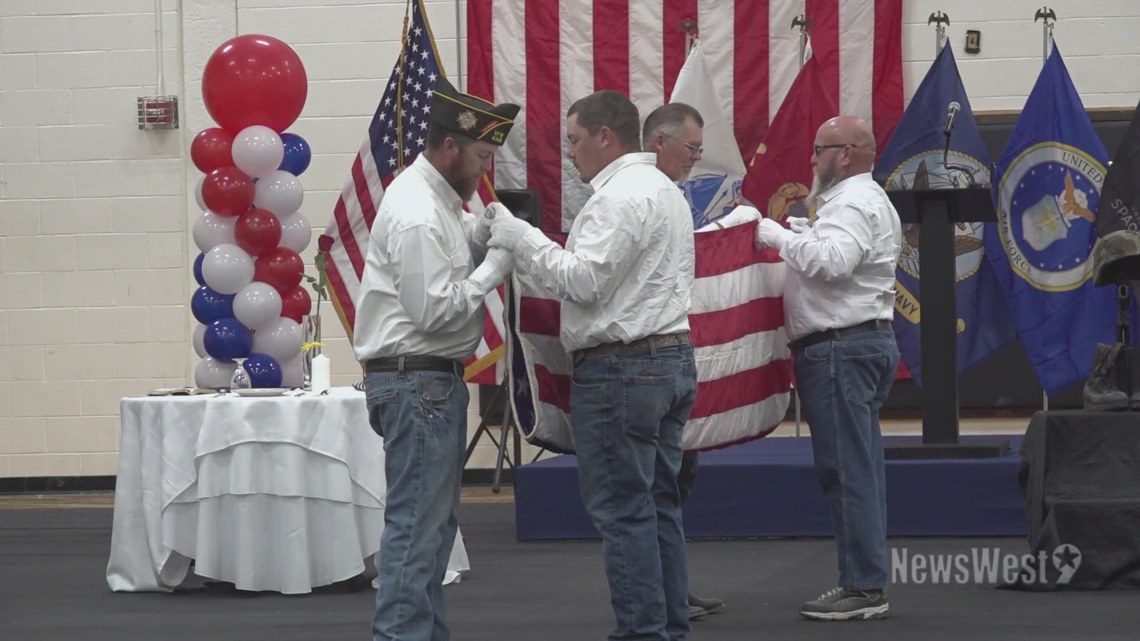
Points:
(737, 328)
(545, 55)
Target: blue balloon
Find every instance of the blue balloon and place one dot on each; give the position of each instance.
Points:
(208, 305)
(226, 339)
(297, 154)
(198, 268)
(264, 370)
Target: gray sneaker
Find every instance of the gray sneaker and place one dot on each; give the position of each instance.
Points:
(839, 604)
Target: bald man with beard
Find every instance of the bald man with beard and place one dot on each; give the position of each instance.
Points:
(838, 306)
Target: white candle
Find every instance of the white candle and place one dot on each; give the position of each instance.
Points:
(322, 373)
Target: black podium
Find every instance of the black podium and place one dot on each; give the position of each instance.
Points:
(937, 211)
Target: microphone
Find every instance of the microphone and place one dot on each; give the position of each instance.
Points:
(951, 114)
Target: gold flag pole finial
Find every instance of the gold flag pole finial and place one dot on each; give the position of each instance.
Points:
(939, 20)
(689, 27)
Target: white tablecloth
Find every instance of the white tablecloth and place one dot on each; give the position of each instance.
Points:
(281, 493)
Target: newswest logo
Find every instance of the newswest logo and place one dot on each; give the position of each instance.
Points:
(982, 566)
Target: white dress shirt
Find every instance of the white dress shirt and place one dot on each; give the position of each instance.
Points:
(415, 297)
(841, 271)
(627, 270)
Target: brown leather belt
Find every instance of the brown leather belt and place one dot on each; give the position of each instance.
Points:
(640, 346)
(832, 334)
(413, 364)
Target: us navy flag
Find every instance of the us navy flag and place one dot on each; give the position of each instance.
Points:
(913, 159)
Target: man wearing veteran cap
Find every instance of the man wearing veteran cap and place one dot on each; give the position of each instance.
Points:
(419, 316)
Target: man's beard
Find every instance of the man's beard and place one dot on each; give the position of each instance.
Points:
(822, 180)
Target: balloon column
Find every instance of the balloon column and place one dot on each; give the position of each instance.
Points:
(250, 301)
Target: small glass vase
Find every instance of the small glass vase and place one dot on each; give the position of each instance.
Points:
(240, 379)
(311, 325)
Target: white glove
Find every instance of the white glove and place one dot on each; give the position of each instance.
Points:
(483, 223)
(799, 224)
(770, 233)
(495, 266)
(507, 231)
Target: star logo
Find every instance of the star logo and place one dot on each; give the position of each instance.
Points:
(1066, 558)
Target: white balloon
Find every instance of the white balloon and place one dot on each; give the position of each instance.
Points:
(257, 150)
(211, 230)
(257, 305)
(296, 232)
(198, 194)
(293, 372)
(279, 192)
(227, 268)
(200, 340)
(281, 339)
(212, 373)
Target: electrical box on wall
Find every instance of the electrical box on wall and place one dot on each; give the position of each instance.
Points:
(973, 41)
(158, 112)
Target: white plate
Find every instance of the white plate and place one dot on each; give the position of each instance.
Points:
(261, 391)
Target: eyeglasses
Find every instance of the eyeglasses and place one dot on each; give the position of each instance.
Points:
(694, 149)
(819, 148)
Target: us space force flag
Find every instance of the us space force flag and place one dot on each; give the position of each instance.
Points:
(1047, 185)
(1120, 201)
(913, 159)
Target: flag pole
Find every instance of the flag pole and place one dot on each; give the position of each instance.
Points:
(461, 78)
(1048, 18)
(939, 20)
(803, 23)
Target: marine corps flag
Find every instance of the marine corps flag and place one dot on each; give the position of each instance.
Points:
(1047, 186)
(914, 159)
(780, 174)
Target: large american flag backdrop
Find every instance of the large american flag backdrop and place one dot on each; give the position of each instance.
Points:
(545, 55)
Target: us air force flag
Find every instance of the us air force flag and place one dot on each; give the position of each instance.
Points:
(913, 159)
(714, 186)
(1048, 183)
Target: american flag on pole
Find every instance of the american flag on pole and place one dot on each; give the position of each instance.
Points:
(737, 329)
(395, 137)
(545, 55)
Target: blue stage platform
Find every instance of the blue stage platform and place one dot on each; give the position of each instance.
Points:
(768, 488)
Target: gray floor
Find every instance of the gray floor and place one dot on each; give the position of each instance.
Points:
(52, 589)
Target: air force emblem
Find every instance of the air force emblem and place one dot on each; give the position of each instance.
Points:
(1045, 215)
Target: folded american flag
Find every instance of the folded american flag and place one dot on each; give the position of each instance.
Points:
(737, 329)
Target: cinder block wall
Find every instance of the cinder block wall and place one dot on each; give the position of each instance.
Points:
(95, 215)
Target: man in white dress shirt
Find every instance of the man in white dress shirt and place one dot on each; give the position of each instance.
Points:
(625, 279)
(419, 316)
(838, 305)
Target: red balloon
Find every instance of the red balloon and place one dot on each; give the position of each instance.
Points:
(227, 191)
(257, 231)
(296, 303)
(254, 80)
(211, 149)
(281, 267)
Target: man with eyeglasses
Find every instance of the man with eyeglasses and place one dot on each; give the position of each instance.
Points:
(838, 306)
(675, 133)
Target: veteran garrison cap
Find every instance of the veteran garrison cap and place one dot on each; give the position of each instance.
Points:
(473, 117)
(1116, 258)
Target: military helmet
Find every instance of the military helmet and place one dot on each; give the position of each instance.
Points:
(1116, 258)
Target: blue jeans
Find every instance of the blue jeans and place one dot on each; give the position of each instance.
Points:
(423, 419)
(627, 413)
(843, 383)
